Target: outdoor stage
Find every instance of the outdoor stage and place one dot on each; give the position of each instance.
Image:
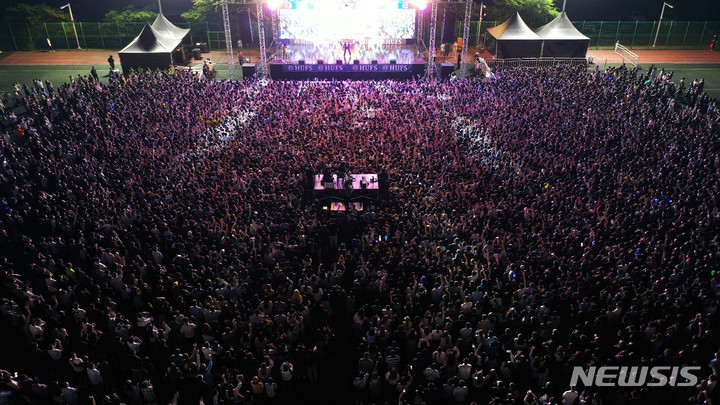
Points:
(360, 62)
(354, 188)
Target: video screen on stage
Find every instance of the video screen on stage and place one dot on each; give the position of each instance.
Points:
(339, 206)
(329, 24)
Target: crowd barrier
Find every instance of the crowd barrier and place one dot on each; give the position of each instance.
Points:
(535, 62)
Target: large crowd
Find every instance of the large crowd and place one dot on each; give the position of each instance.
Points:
(156, 245)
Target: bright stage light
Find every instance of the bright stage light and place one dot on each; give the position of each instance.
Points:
(325, 23)
(369, 4)
(274, 4)
(421, 4)
(325, 4)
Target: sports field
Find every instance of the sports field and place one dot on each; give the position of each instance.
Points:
(42, 67)
(690, 71)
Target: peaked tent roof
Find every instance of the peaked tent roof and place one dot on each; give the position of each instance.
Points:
(513, 29)
(151, 41)
(168, 29)
(560, 28)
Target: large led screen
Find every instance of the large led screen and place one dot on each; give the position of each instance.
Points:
(328, 24)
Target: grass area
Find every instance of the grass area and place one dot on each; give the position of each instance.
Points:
(690, 71)
(58, 74)
(708, 71)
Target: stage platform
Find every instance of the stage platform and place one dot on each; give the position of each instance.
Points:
(356, 187)
(364, 53)
(295, 71)
(354, 181)
(362, 62)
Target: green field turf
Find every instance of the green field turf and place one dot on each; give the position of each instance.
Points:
(708, 71)
(58, 74)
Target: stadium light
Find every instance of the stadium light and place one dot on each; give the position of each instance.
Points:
(73, 23)
(482, 14)
(662, 14)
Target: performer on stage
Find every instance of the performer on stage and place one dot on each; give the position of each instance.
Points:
(384, 184)
(342, 170)
(346, 48)
(327, 174)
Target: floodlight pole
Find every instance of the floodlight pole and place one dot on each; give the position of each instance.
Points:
(433, 33)
(662, 14)
(72, 20)
(482, 8)
(466, 36)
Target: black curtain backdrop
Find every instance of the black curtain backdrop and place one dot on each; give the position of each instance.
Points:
(448, 31)
(246, 32)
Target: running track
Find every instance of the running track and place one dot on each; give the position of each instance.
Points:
(83, 57)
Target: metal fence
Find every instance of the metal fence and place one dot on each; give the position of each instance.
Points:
(536, 62)
(641, 34)
(94, 35)
(102, 35)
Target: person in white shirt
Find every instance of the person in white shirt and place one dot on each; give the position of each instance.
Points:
(237, 391)
(188, 330)
(207, 351)
(271, 388)
(70, 394)
(460, 392)
(569, 396)
(55, 351)
(286, 371)
(431, 373)
(465, 370)
(94, 375)
(78, 312)
(37, 329)
(76, 363)
(143, 319)
(134, 344)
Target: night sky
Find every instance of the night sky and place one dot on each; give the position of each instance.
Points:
(698, 10)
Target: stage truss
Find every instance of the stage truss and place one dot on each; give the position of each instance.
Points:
(261, 38)
(263, 71)
(466, 35)
(433, 33)
(261, 35)
(419, 29)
